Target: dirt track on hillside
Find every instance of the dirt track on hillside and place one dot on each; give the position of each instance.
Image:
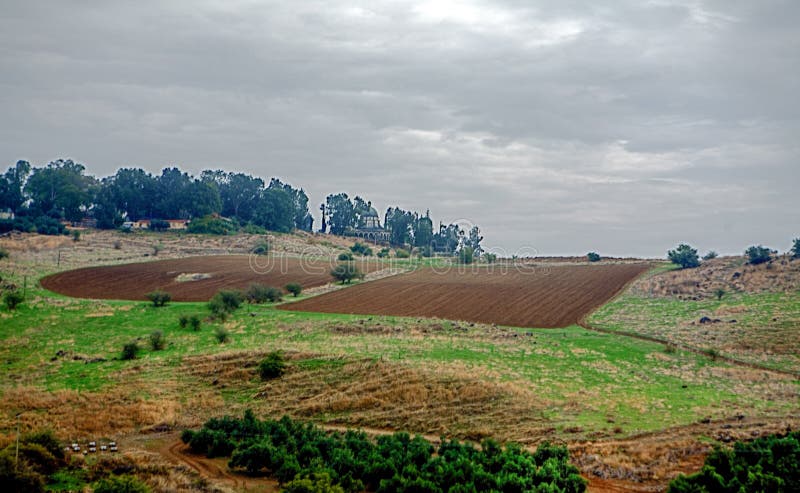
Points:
(555, 296)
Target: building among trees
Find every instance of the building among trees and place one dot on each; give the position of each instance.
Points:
(369, 227)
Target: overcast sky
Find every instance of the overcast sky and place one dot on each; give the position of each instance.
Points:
(558, 126)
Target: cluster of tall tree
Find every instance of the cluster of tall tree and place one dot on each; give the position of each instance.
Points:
(63, 190)
(406, 228)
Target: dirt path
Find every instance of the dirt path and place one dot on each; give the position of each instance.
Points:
(215, 470)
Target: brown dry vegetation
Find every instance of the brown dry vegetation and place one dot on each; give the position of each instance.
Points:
(732, 274)
(522, 297)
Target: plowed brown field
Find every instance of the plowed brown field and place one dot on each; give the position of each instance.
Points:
(192, 278)
(526, 297)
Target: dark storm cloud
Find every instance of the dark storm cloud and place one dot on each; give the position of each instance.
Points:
(563, 126)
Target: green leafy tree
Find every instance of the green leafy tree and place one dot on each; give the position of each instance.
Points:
(275, 211)
(796, 248)
(399, 223)
(346, 272)
(159, 298)
(758, 255)
(301, 217)
(60, 188)
(294, 288)
(12, 187)
(340, 213)
(423, 231)
(593, 257)
(345, 256)
(685, 256)
(12, 299)
(474, 241)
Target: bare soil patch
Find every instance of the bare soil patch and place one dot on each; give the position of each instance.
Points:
(555, 296)
(134, 281)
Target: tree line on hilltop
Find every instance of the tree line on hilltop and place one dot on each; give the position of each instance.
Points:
(41, 199)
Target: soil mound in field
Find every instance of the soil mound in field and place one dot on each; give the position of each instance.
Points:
(192, 278)
(552, 296)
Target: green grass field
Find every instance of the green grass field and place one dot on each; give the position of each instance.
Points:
(575, 382)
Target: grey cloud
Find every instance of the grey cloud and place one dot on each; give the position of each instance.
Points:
(566, 126)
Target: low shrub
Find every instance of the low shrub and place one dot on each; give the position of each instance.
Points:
(261, 248)
(258, 293)
(212, 225)
(361, 249)
(466, 255)
(157, 340)
(758, 255)
(273, 366)
(221, 335)
(183, 321)
(490, 257)
(384, 253)
(719, 293)
(401, 253)
(120, 484)
(3, 253)
(345, 257)
(76, 235)
(130, 350)
(294, 288)
(194, 322)
(12, 299)
(159, 298)
(225, 302)
(711, 255)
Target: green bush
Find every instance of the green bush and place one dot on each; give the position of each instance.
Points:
(225, 302)
(157, 340)
(593, 257)
(76, 235)
(120, 484)
(3, 253)
(314, 482)
(769, 463)
(130, 350)
(345, 257)
(758, 255)
(273, 366)
(490, 258)
(258, 293)
(183, 321)
(685, 256)
(18, 476)
(159, 298)
(194, 322)
(466, 255)
(221, 335)
(719, 293)
(213, 225)
(384, 253)
(12, 299)
(346, 272)
(795, 251)
(361, 249)
(400, 253)
(711, 255)
(294, 288)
